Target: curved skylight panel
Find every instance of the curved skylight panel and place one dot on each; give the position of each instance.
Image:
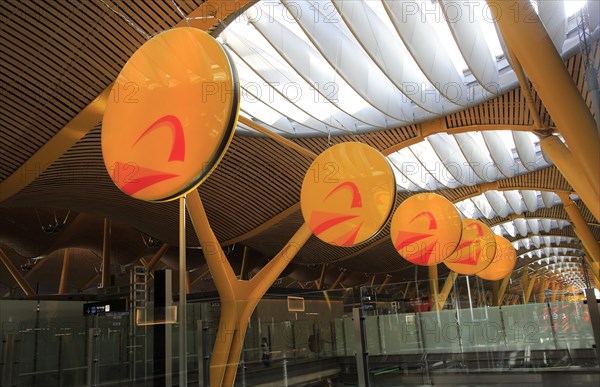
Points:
(267, 115)
(413, 170)
(531, 200)
(376, 34)
(524, 227)
(439, 59)
(268, 66)
(324, 84)
(546, 225)
(450, 154)
(550, 199)
(463, 20)
(498, 202)
(434, 165)
(468, 209)
(500, 144)
(521, 226)
(350, 60)
(402, 181)
(255, 88)
(552, 14)
(478, 156)
(484, 207)
(514, 201)
(593, 11)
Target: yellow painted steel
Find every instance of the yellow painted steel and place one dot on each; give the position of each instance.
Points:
(495, 291)
(383, 285)
(526, 36)
(582, 229)
(433, 283)
(446, 290)
(280, 139)
(156, 257)
(337, 281)
(564, 160)
(238, 297)
(16, 274)
(556, 150)
(502, 291)
(64, 273)
(321, 277)
(530, 284)
(542, 294)
(106, 254)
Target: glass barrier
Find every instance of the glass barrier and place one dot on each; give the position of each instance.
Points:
(292, 338)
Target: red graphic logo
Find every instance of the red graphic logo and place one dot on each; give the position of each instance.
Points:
(470, 259)
(322, 221)
(406, 238)
(141, 177)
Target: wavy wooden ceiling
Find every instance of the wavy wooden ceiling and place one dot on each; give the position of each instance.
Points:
(59, 56)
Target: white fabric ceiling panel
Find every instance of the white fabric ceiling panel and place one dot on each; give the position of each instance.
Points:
(470, 38)
(351, 62)
(380, 41)
(433, 58)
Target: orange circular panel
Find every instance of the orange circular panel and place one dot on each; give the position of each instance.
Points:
(476, 249)
(348, 194)
(426, 229)
(503, 262)
(170, 116)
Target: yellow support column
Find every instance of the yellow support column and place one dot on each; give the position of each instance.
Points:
(582, 229)
(526, 36)
(64, 274)
(446, 290)
(238, 297)
(433, 283)
(23, 284)
(503, 287)
(564, 161)
(542, 295)
(384, 283)
(530, 284)
(106, 255)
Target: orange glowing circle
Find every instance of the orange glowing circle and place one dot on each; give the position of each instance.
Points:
(170, 116)
(475, 251)
(426, 229)
(348, 194)
(503, 263)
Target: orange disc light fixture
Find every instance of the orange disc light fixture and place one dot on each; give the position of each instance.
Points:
(476, 249)
(348, 194)
(171, 115)
(503, 263)
(426, 229)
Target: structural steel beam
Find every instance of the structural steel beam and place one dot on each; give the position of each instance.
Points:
(106, 255)
(530, 284)
(280, 139)
(156, 257)
(321, 277)
(502, 291)
(337, 281)
(582, 229)
(64, 274)
(243, 269)
(433, 282)
(446, 290)
(526, 36)
(16, 274)
(383, 285)
(564, 160)
(238, 298)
